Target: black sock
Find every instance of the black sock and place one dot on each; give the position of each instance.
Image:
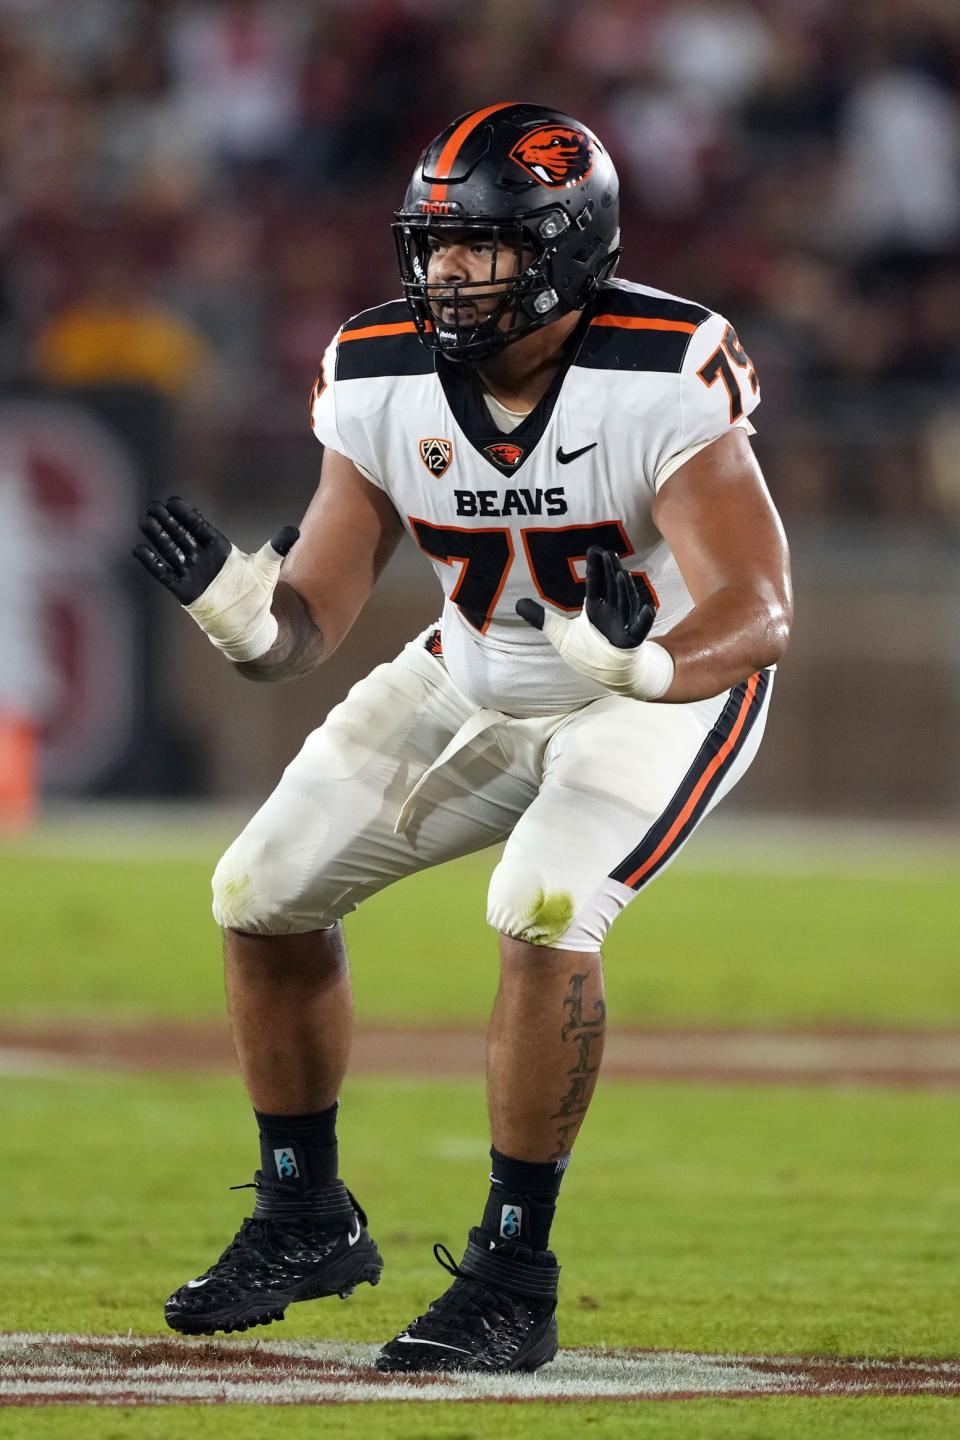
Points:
(299, 1151)
(523, 1199)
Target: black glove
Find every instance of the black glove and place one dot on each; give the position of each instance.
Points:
(613, 603)
(185, 552)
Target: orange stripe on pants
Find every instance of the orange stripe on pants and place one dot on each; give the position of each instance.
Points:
(676, 828)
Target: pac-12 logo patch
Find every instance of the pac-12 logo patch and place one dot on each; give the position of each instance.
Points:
(555, 155)
(504, 454)
(436, 455)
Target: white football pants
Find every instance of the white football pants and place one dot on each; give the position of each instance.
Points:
(406, 772)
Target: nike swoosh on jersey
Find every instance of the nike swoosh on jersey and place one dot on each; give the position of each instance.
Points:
(352, 1239)
(574, 454)
(415, 1340)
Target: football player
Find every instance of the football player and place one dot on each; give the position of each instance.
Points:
(571, 453)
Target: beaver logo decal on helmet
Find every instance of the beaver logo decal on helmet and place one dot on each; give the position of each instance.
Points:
(555, 155)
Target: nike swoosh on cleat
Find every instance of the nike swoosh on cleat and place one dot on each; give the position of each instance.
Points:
(195, 1284)
(574, 454)
(352, 1239)
(415, 1340)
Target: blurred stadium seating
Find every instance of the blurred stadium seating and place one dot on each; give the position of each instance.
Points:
(193, 196)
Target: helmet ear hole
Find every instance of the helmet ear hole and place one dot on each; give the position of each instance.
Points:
(586, 256)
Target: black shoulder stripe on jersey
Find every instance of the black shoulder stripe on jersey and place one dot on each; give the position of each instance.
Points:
(632, 331)
(365, 359)
(616, 349)
(381, 341)
(612, 301)
(392, 312)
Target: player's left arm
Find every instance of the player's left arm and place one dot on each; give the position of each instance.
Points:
(717, 516)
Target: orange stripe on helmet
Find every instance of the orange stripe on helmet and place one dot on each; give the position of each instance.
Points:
(450, 151)
(677, 827)
(640, 322)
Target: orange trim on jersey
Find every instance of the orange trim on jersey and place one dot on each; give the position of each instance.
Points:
(438, 190)
(374, 332)
(701, 785)
(503, 580)
(574, 560)
(465, 560)
(642, 322)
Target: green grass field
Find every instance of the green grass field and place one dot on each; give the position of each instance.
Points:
(741, 1218)
(134, 938)
(758, 1220)
(774, 1419)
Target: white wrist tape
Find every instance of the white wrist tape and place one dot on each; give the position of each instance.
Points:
(643, 673)
(234, 610)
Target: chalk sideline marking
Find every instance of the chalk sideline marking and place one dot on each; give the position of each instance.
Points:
(152, 1370)
(794, 1056)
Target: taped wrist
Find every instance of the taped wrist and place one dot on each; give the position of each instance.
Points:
(234, 611)
(642, 673)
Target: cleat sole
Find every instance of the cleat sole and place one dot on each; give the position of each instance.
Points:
(228, 1324)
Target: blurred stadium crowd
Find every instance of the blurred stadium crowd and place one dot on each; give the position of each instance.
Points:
(195, 193)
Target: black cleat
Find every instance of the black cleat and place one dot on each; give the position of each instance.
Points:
(274, 1261)
(498, 1315)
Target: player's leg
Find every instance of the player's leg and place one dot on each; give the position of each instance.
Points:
(291, 1012)
(322, 842)
(623, 787)
(544, 1047)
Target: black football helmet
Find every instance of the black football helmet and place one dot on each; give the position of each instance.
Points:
(522, 176)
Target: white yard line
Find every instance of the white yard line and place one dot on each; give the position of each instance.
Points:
(15, 1061)
(110, 1370)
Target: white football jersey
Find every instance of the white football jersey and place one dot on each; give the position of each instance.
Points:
(649, 379)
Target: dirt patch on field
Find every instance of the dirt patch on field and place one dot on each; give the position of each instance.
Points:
(795, 1057)
(123, 1370)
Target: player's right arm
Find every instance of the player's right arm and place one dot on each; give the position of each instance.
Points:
(347, 536)
(273, 625)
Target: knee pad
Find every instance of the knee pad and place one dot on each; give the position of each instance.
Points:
(522, 904)
(241, 887)
(255, 889)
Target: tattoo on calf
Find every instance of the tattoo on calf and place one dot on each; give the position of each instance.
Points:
(582, 1076)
